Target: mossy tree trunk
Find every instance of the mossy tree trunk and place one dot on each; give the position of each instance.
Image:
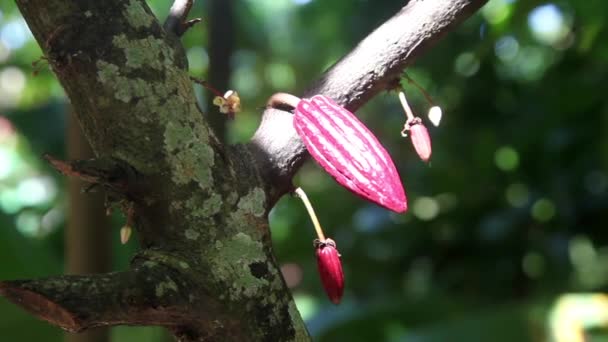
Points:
(206, 269)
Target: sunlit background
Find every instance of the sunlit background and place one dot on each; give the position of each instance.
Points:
(505, 237)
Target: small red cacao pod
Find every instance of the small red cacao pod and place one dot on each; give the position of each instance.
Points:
(421, 141)
(349, 152)
(330, 269)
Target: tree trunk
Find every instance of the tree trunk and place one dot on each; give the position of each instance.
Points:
(87, 235)
(221, 43)
(206, 269)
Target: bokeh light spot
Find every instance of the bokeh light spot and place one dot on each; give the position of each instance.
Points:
(7, 164)
(506, 158)
(581, 250)
(466, 64)
(247, 81)
(574, 312)
(425, 208)
(435, 115)
(9, 201)
(496, 11)
(15, 33)
(533, 264)
(5, 52)
(28, 223)
(543, 210)
(517, 195)
(280, 76)
(36, 191)
(548, 24)
(198, 59)
(51, 220)
(506, 48)
(307, 305)
(301, 2)
(12, 82)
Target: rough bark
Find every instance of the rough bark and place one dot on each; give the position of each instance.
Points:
(206, 269)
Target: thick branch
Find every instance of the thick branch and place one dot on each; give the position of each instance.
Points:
(372, 67)
(153, 292)
(76, 303)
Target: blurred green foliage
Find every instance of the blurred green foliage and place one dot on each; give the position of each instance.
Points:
(509, 216)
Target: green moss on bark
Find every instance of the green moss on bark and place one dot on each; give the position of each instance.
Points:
(136, 15)
(148, 52)
(232, 259)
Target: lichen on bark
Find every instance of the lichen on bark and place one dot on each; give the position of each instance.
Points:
(206, 269)
(136, 15)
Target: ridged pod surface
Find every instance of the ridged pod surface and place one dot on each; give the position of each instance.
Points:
(349, 152)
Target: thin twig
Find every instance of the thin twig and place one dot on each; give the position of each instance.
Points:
(206, 85)
(426, 95)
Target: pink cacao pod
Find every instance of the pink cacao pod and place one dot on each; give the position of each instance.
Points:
(421, 141)
(349, 152)
(330, 269)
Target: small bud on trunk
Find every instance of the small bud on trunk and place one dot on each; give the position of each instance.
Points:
(330, 269)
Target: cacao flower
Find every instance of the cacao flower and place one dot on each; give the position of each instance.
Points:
(330, 269)
(229, 104)
(349, 152)
(420, 139)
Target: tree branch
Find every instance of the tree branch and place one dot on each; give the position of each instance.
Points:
(176, 21)
(76, 303)
(127, 80)
(206, 269)
(371, 67)
(153, 292)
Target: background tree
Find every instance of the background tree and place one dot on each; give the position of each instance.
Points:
(516, 223)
